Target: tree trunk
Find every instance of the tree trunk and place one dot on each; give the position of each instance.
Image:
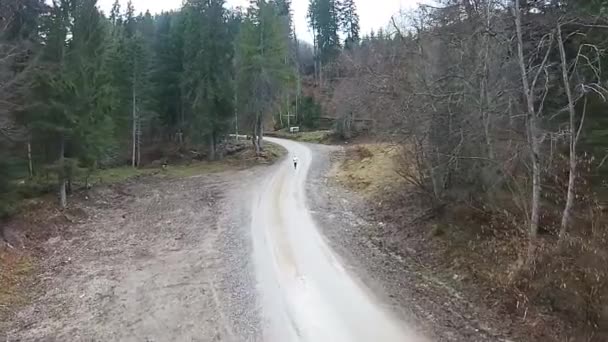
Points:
(315, 53)
(30, 165)
(320, 73)
(138, 139)
(134, 132)
(236, 117)
(260, 136)
(297, 97)
(484, 98)
(254, 139)
(87, 184)
(63, 198)
(573, 138)
(212, 155)
(532, 135)
(134, 123)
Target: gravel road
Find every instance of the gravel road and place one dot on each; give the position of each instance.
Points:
(306, 293)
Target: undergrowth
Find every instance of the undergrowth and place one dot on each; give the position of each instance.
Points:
(480, 248)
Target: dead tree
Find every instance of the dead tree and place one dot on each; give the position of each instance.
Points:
(532, 114)
(574, 129)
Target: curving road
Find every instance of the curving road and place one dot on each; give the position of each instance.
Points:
(306, 294)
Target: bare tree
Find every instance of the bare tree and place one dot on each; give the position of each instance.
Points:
(444, 88)
(573, 136)
(574, 128)
(533, 112)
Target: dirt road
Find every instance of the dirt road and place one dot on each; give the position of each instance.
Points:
(230, 256)
(306, 293)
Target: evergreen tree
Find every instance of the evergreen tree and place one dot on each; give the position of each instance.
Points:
(71, 93)
(323, 17)
(115, 16)
(130, 19)
(349, 22)
(207, 73)
(166, 73)
(284, 11)
(19, 44)
(262, 71)
(290, 92)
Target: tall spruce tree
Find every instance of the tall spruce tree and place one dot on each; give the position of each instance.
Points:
(166, 74)
(349, 22)
(262, 71)
(323, 18)
(208, 70)
(72, 98)
(19, 47)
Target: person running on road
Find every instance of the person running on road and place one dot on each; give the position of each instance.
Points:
(295, 162)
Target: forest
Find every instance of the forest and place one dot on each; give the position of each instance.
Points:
(83, 90)
(499, 111)
(498, 107)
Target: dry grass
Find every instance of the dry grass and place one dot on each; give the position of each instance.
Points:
(369, 169)
(16, 269)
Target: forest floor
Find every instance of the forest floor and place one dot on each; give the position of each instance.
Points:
(159, 256)
(448, 279)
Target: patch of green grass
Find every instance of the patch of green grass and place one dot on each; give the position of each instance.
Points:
(318, 137)
(38, 186)
(241, 160)
(119, 174)
(194, 169)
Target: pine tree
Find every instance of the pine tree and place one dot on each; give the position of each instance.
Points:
(71, 93)
(323, 18)
(166, 73)
(349, 22)
(88, 55)
(19, 44)
(128, 72)
(208, 71)
(328, 26)
(283, 8)
(261, 65)
(115, 16)
(130, 20)
(118, 64)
